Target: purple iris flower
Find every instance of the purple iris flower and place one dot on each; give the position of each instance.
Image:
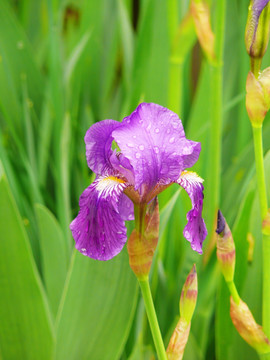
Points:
(152, 152)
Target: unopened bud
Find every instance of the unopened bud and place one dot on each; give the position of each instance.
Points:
(258, 96)
(225, 248)
(247, 327)
(178, 341)
(201, 15)
(257, 28)
(141, 246)
(266, 224)
(189, 295)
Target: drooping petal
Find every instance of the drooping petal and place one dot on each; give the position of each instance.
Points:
(98, 140)
(195, 231)
(152, 138)
(99, 229)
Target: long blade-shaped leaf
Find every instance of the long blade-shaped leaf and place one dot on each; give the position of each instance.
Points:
(97, 309)
(25, 327)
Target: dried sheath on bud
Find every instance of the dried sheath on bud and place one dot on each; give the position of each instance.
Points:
(141, 246)
(258, 96)
(177, 344)
(247, 327)
(179, 338)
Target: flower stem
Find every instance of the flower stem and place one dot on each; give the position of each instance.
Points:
(152, 318)
(258, 148)
(234, 292)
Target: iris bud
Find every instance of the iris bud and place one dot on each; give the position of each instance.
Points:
(258, 96)
(247, 327)
(225, 248)
(257, 29)
(179, 338)
(142, 244)
(189, 295)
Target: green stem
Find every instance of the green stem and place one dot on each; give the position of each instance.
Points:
(216, 82)
(234, 292)
(152, 318)
(258, 148)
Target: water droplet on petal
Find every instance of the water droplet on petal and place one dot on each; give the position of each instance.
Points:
(137, 155)
(156, 149)
(171, 141)
(157, 130)
(130, 217)
(134, 136)
(185, 150)
(175, 125)
(148, 127)
(168, 131)
(130, 145)
(141, 147)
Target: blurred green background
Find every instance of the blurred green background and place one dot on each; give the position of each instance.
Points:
(63, 66)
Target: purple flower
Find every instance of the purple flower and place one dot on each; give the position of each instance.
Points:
(152, 153)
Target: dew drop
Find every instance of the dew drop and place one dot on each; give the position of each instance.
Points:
(141, 147)
(171, 141)
(185, 150)
(157, 130)
(134, 136)
(137, 155)
(156, 149)
(168, 131)
(130, 145)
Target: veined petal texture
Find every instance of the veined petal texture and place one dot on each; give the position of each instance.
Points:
(152, 138)
(99, 229)
(195, 230)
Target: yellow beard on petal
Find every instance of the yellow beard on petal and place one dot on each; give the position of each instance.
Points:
(191, 176)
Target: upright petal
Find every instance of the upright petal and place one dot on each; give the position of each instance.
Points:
(98, 140)
(195, 231)
(152, 138)
(99, 229)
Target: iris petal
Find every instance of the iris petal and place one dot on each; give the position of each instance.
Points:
(152, 138)
(195, 231)
(99, 229)
(98, 140)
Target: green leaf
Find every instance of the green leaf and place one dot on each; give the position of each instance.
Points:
(54, 258)
(25, 329)
(97, 309)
